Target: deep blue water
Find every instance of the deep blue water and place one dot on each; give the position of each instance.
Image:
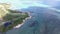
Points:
(42, 22)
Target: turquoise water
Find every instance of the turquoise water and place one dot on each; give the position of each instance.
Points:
(40, 23)
(31, 26)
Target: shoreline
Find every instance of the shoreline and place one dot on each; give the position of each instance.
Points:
(19, 25)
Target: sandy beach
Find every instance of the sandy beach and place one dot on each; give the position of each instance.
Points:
(19, 25)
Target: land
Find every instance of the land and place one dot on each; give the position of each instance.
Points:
(12, 19)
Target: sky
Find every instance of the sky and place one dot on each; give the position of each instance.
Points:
(18, 4)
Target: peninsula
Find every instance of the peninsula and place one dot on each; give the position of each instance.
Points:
(10, 18)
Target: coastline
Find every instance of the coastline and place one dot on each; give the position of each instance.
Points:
(19, 25)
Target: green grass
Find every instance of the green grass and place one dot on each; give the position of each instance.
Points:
(19, 20)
